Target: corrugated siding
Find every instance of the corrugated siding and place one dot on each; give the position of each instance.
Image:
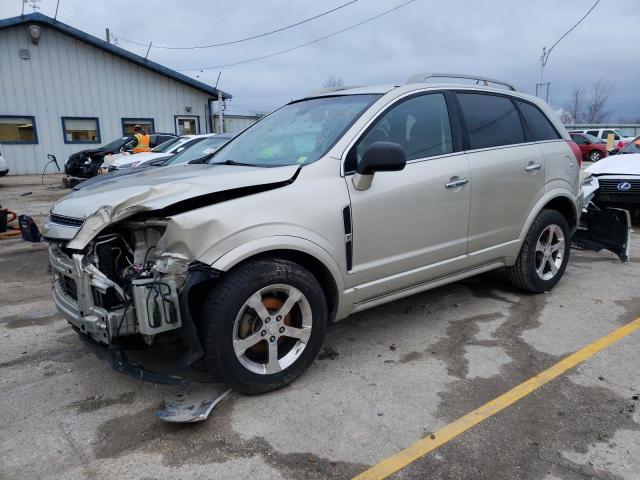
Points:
(67, 77)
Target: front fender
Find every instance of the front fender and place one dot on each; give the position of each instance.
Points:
(279, 242)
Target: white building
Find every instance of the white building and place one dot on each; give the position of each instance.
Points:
(63, 90)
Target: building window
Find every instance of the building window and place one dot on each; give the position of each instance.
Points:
(146, 123)
(81, 129)
(18, 129)
(187, 124)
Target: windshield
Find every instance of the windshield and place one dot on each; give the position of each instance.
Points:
(197, 150)
(296, 134)
(593, 139)
(632, 147)
(117, 144)
(168, 145)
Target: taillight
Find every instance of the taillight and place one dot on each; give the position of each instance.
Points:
(576, 151)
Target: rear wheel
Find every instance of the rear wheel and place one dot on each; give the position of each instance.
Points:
(264, 325)
(544, 254)
(595, 155)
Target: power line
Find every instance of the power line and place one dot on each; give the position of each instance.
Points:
(546, 57)
(302, 44)
(253, 37)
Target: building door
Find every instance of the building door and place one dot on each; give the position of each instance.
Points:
(187, 125)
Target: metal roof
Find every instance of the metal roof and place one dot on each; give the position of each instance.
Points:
(39, 18)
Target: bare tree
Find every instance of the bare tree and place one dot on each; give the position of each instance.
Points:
(333, 82)
(601, 90)
(575, 107)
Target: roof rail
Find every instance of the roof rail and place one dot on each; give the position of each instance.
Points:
(422, 77)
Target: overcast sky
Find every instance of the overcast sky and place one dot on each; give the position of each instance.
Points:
(496, 38)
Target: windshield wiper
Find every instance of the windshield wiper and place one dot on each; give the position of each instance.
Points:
(202, 159)
(233, 162)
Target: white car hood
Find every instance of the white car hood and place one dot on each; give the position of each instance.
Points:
(625, 164)
(157, 188)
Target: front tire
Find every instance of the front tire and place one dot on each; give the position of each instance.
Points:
(595, 156)
(544, 254)
(263, 325)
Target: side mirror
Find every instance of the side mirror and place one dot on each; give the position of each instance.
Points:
(379, 157)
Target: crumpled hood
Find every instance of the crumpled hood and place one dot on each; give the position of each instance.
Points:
(621, 164)
(153, 189)
(160, 187)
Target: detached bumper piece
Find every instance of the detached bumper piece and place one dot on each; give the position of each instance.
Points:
(194, 403)
(606, 229)
(120, 363)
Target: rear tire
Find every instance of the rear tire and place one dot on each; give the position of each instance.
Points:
(595, 155)
(256, 350)
(544, 254)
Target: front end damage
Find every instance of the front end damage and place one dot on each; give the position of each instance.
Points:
(123, 263)
(120, 290)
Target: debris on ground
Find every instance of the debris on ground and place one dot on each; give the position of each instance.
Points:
(193, 403)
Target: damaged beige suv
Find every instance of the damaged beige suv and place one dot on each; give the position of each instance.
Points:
(333, 204)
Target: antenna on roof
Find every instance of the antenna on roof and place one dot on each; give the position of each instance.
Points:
(32, 4)
(56, 14)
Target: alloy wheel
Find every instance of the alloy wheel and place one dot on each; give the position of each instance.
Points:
(549, 253)
(272, 329)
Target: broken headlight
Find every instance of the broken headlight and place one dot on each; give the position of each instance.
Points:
(588, 181)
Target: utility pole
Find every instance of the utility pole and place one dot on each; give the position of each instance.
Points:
(220, 115)
(220, 106)
(542, 88)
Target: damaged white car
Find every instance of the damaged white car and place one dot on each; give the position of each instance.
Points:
(333, 204)
(611, 199)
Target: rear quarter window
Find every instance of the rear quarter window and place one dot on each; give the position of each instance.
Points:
(491, 120)
(540, 127)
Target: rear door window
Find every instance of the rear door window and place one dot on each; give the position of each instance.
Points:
(539, 125)
(492, 120)
(593, 132)
(605, 134)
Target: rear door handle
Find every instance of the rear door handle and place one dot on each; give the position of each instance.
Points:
(456, 183)
(533, 166)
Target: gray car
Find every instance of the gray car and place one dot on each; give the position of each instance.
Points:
(333, 204)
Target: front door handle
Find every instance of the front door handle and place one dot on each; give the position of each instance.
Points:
(456, 182)
(532, 167)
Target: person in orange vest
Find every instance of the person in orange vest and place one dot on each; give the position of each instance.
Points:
(142, 140)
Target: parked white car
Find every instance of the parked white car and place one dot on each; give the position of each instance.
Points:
(170, 147)
(4, 166)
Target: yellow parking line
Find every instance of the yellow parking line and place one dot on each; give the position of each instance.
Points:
(451, 431)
